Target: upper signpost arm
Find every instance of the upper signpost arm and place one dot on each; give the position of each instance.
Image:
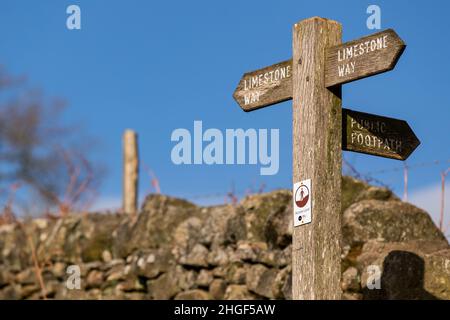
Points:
(363, 57)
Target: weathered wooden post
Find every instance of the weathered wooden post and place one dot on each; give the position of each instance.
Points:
(130, 172)
(316, 128)
(321, 129)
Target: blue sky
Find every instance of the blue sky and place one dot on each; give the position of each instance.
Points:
(157, 66)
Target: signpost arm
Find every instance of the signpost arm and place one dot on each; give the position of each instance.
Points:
(317, 132)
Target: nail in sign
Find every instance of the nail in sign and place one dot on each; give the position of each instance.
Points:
(302, 202)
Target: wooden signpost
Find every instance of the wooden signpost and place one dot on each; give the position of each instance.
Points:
(321, 129)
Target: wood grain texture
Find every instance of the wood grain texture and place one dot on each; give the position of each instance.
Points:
(377, 135)
(130, 172)
(362, 58)
(316, 262)
(265, 87)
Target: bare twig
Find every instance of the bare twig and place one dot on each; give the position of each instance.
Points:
(84, 184)
(154, 181)
(76, 185)
(231, 195)
(261, 188)
(37, 268)
(9, 217)
(366, 178)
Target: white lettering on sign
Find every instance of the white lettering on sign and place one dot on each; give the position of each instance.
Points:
(265, 79)
(302, 199)
(251, 97)
(369, 139)
(372, 126)
(347, 53)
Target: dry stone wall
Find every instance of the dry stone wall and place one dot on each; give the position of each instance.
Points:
(177, 250)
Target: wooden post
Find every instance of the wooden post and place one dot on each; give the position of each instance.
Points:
(317, 132)
(130, 172)
(441, 220)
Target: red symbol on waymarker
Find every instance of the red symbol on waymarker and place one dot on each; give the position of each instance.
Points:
(301, 196)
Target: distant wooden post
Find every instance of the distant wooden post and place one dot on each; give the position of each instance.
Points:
(316, 262)
(130, 172)
(441, 220)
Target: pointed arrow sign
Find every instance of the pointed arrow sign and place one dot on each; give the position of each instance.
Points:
(264, 87)
(376, 135)
(347, 62)
(363, 58)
